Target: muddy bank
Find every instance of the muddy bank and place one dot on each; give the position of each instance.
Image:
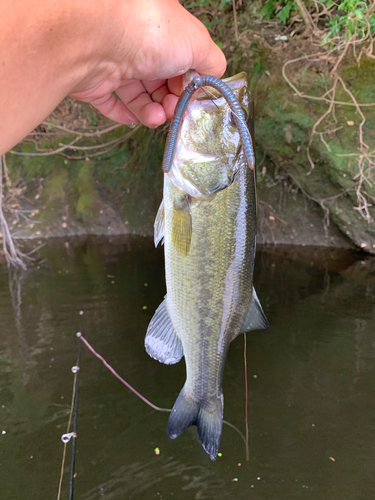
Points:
(309, 185)
(120, 194)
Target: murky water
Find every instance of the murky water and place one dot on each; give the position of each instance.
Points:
(311, 381)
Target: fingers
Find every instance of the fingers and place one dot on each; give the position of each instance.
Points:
(136, 98)
(114, 109)
(147, 102)
(175, 85)
(169, 105)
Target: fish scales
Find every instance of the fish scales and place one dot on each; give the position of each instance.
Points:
(208, 222)
(198, 301)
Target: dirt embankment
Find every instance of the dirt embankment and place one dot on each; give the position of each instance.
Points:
(315, 138)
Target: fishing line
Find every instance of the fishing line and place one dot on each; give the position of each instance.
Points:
(210, 98)
(213, 96)
(75, 369)
(246, 399)
(207, 92)
(157, 408)
(239, 433)
(65, 438)
(73, 414)
(107, 365)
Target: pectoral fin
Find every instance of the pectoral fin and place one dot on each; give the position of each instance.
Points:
(181, 225)
(255, 318)
(159, 225)
(162, 342)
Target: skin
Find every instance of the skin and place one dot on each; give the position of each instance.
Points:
(89, 49)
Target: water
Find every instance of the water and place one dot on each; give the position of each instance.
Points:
(311, 381)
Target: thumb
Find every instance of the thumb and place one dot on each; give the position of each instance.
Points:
(207, 57)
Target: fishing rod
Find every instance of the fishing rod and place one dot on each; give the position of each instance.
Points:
(75, 415)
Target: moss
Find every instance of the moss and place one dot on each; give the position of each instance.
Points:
(365, 74)
(55, 184)
(132, 179)
(84, 201)
(129, 177)
(283, 131)
(54, 193)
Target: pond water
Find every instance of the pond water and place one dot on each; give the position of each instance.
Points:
(310, 380)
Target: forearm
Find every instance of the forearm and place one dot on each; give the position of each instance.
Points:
(92, 48)
(46, 50)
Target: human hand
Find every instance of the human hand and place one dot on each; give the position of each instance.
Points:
(89, 49)
(165, 42)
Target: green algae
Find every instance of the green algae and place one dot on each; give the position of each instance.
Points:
(54, 193)
(283, 131)
(126, 180)
(84, 201)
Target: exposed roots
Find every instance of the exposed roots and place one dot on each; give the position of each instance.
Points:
(71, 147)
(13, 255)
(327, 124)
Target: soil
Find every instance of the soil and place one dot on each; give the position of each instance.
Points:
(118, 192)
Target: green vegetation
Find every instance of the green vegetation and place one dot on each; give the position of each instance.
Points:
(282, 10)
(338, 19)
(352, 17)
(313, 133)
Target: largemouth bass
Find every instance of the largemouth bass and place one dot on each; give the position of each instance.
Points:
(208, 222)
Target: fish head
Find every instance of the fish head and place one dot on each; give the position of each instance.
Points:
(208, 149)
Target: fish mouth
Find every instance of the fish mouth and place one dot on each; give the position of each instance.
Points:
(234, 82)
(197, 151)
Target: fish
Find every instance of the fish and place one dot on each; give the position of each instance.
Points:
(207, 222)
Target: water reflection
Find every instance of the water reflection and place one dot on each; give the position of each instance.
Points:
(311, 390)
(138, 478)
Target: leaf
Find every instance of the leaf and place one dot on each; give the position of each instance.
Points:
(211, 23)
(268, 9)
(284, 12)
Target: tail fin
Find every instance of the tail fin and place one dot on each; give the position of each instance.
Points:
(207, 415)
